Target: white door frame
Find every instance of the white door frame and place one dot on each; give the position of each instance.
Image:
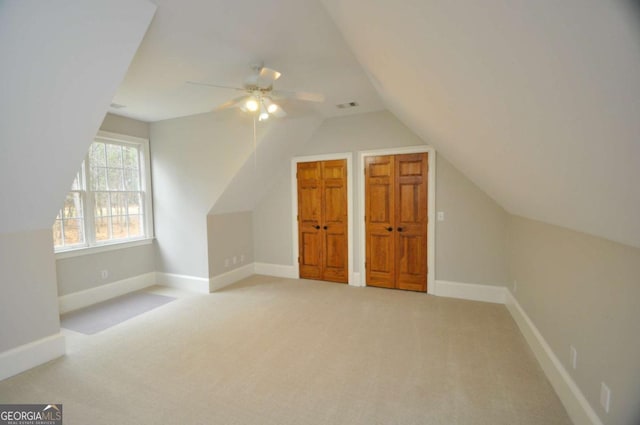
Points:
(294, 208)
(431, 200)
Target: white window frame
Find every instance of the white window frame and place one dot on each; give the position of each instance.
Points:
(92, 246)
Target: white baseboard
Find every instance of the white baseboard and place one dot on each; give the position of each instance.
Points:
(181, 281)
(277, 270)
(27, 356)
(101, 293)
(577, 406)
(232, 276)
(469, 291)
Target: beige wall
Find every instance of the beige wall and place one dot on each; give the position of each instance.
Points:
(28, 288)
(473, 235)
(84, 272)
(193, 159)
(229, 235)
(124, 125)
(583, 291)
(471, 241)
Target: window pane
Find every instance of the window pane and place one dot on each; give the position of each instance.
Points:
(131, 180)
(96, 155)
(98, 177)
(101, 208)
(130, 157)
(135, 226)
(73, 231)
(114, 178)
(103, 228)
(57, 234)
(133, 203)
(114, 155)
(119, 226)
(73, 206)
(118, 204)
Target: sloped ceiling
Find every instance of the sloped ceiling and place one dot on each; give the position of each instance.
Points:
(538, 102)
(216, 41)
(62, 63)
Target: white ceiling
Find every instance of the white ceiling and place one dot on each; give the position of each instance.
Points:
(537, 101)
(217, 41)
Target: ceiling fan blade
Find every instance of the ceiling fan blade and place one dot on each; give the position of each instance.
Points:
(299, 95)
(267, 76)
(279, 113)
(231, 103)
(198, 83)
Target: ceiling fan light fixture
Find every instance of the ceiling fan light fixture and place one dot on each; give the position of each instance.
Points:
(252, 105)
(264, 115)
(272, 108)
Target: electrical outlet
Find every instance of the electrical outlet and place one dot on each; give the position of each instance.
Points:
(573, 356)
(515, 286)
(440, 215)
(226, 262)
(605, 397)
(104, 274)
(241, 258)
(235, 259)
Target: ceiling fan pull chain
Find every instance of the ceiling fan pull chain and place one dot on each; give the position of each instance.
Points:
(255, 146)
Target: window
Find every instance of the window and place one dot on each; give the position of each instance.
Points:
(110, 200)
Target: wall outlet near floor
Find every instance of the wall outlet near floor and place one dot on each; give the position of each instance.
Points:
(573, 356)
(515, 286)
(241, 258)
(235, 259)
(104, 274)
(605, 397)
(440, 215)
(226, 262)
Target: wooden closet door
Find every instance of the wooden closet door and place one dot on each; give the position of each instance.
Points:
(334, 221)
(309, 219)
(380, 221)
(411, 181)
(323, 220)
(396, 221)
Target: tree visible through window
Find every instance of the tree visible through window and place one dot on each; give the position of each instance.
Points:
(107, 201)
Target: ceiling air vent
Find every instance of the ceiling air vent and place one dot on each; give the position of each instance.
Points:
(347, 105)
(117, 106)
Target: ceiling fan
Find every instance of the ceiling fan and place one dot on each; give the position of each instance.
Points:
(259, 95)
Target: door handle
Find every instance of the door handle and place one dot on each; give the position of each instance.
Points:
(399, 229)
(316, 226)
(390, 229)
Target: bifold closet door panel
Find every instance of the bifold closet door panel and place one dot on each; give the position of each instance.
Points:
(335, 220)
(310, 239)
(380, 221)
(411, 180)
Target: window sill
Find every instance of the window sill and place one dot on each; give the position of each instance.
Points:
(77, 252)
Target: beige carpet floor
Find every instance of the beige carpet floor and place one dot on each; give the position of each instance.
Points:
(281, 351)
